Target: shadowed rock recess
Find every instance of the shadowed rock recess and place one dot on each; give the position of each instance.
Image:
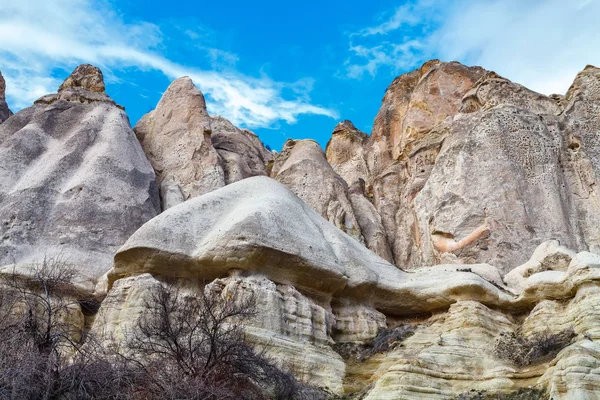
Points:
(450, 254)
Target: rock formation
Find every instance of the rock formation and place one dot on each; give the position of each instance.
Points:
(74, 181)
(319, 289)
(465, 166)
(448, 255)
(4, 111)
(193, 153)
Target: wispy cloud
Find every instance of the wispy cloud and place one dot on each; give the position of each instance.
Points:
(408, 14)
(539, 43)
(38, 36)
(397, 42)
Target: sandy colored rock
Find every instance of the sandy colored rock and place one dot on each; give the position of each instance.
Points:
(407, 134)
(452, 350)
(345, 152)
(87, 77)
(492, 90)
(292, 329)
(496, 192)
(549, 256)
(302, 167)
(176, 139)
(74, 183)
(465, 166)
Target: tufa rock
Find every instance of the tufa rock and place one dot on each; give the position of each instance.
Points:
(192, 151)
(87, 77)
(303, 168)
(464, 165)
(345, 152)
(75, 184)
(176, 139)
(319, 289)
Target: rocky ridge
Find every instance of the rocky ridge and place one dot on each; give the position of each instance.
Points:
(465, 224)
(4, 110)
(74, 180)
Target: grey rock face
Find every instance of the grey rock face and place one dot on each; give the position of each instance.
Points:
(74, 182)
(241, 152)
(176, 139)
(303, 168)
(193, 150)
(4, 111)
(346, 153)
(465, 166)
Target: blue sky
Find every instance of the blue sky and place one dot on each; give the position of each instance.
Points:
(288, 69)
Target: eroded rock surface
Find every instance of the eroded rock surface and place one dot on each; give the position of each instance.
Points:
(465, 166)
(176, 138)
(4, 110)
(74, 181)
(192, 152)
(302, 167)
(318, 288)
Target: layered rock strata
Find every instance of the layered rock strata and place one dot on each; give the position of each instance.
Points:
(319, 288)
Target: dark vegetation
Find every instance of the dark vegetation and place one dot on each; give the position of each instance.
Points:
(386, 340)
(520, 394)
(184, 347)
(540, 347)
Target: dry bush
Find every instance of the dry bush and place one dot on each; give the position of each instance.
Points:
(386, 340)
(192, 347)
(41, 335)
(524, 351)
(184, 347)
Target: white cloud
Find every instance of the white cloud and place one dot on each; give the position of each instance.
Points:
(37, 36)
(539, 43)
(407, 14)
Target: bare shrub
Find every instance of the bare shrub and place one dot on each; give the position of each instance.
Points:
(531, 393)
(184, 346)
(192, 347)
(386, 340)
(41, 336)
(524, 351)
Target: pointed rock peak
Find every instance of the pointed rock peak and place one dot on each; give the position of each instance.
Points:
(2, 87)
(181, 92)
(586, 84)
(347, 128)
(85, 76)
(344, 125)
(4, 111)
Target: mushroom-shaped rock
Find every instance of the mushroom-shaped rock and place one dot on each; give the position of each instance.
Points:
(255, 225)
(258, 226)
(74, 182)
